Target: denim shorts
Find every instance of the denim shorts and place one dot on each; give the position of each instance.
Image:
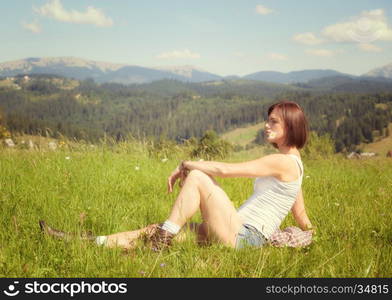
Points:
(249, 236)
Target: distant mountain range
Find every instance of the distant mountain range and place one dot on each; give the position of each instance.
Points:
(295, 76)
(128, 74)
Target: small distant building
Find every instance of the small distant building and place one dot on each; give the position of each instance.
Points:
(353, 155)
(368, 154)
(52, 146)
(30, 144)
(9, 143)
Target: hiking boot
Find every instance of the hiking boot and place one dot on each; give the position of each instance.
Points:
(148, 233)
(45, 228)
(161, 239)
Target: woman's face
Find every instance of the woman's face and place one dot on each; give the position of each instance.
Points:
(274, 128)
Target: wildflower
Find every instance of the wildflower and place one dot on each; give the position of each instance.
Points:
(162, 265)
(137, 168)
(82, 216)
(337, 204)
(164, 160)
(142, 272)
(67, 157)
(307, 176)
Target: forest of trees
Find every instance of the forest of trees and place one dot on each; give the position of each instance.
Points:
(177, 111)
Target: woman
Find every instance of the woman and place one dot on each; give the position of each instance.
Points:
(277, 189)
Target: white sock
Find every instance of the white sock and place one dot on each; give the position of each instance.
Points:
(101, 240)
(171, 227)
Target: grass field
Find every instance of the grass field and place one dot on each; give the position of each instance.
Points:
(111, 190)
(244, 135)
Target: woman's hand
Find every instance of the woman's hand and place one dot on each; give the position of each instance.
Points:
(179, 173)
(183, 173)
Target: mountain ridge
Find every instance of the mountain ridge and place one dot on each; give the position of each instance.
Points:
(101, 72)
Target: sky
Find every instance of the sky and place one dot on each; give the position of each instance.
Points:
(224, 37)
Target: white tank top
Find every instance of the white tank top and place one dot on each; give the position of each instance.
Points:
(271, 201)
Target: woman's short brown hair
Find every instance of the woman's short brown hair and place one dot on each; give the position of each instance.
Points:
(295, 122)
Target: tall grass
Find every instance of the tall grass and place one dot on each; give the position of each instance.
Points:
(111, 189)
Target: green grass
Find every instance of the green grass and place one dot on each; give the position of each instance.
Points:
(244, 135)
(100, 190)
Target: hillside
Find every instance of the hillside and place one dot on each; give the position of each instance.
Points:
(89, 111)
(346, 84)
(381, 146)
(175, 110)
(243, 136)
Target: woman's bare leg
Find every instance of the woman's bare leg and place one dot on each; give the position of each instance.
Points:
(220, 218)
(199, 229)
(200, 191)
(127, 239)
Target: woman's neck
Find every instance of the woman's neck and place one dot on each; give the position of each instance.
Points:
(288, 150)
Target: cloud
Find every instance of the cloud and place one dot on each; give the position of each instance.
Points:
(178, 54)
(34, 27)
(367, 27)
(262, 10)
(307, 38)
(55, 10)
(277, 56)
(369, 47)
(322, 52)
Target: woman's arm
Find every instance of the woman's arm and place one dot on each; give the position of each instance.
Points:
(299, 213)
(270, 165)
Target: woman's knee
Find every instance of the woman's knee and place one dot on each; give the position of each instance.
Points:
(196, 175)
(201, 178)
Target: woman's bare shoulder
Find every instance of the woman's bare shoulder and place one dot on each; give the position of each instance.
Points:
(278, 158)
(284, 164)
